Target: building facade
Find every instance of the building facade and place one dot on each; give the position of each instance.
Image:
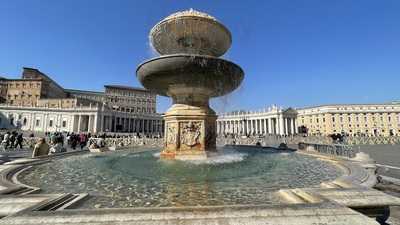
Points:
(352, 119)
(349, 119)
(272, 120)
(37, 103)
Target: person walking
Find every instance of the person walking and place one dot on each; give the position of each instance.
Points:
(19, 141)
(82, 140)
(12, 139)
(6, 140)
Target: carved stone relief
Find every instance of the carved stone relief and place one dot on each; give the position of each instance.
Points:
(190, 133)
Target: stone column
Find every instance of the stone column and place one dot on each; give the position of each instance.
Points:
(269, 126)
(79, 123)
(102, 123)
(225, 127)
(257, 126)
(110, 125)
(294, 125)
(236, 127)
(115, 124)
(95, 127)
(90, 123)
(281, 124)
(285, 127)
(33, 120)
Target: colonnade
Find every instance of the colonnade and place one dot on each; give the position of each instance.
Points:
(112, 123)
(258, 126)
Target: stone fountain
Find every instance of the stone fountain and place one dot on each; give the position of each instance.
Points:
(190, 71)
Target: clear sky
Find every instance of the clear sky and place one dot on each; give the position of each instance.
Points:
(294, 53)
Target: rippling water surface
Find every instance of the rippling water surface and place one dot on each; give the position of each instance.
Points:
(129, 179)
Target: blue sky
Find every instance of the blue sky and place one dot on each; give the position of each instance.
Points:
(294, 53)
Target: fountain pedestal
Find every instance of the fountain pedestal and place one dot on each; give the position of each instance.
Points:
(189, 124)
(189, 132)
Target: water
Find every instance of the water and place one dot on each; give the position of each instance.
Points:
(128, 179)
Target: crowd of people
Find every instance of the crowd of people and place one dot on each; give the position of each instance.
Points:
(11, 140)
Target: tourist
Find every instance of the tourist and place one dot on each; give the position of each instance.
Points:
(74, 140)
(41, 148)
(82, 140)
(6, 140)
(19, 141)
(12, 139)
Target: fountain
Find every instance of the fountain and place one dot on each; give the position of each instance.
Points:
(190, 72)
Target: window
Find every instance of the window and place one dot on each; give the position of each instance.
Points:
(64, 123)
(349, 119)
(333, 119)
(25, 121)
(51, 123)
(37, 122)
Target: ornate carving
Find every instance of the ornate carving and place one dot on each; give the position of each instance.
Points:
(171, 133)
(190, 133)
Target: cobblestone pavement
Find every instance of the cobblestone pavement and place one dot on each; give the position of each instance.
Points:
(386, 156)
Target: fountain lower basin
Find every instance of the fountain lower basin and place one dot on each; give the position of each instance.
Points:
(198, 72)
(128, 179)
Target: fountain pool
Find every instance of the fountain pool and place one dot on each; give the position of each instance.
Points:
(141, 179)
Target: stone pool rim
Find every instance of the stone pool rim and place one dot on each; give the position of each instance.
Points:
(338, 201)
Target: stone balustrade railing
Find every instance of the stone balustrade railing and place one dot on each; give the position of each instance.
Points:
(375, 140)
(130, 142)
(334, 149)
(272, 140)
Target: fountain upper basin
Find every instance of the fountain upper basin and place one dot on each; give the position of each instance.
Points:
(193, 72)
(190, 32)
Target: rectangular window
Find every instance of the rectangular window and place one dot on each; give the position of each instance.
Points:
(37, 123)
(64, 123)
(51, 123)
(333, 119)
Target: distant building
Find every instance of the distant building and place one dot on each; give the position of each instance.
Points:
(37, 103)
(272, 120)
(352, 119)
